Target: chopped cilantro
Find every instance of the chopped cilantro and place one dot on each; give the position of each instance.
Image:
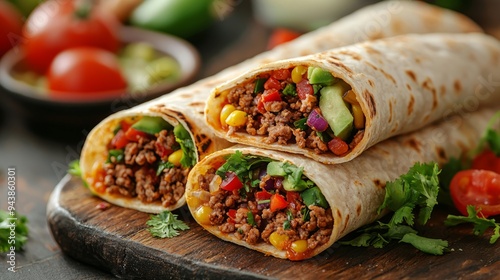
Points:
(7, 220)
(116, 155)
(250, 218)
(480, 224)
(188, 150)
(242, 166)
(491, 137)
(162, 166)
(301, 124)
(289, 217)
(165, 224)
(417, 189)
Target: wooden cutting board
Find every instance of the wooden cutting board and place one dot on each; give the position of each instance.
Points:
(116, 240)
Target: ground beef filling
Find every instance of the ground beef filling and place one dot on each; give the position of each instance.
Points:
(277, 123)
(135, 175)
(316, 230)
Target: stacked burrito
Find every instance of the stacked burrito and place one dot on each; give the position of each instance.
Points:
(285, 193)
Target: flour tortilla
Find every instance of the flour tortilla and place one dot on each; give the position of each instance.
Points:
(186, 105)
(354, 190)
(402, 83)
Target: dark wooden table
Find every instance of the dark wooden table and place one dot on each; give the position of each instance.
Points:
(41, 158)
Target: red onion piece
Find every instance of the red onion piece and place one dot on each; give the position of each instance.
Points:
(316, 121)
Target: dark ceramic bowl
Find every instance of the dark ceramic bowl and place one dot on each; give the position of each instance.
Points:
(41, 109)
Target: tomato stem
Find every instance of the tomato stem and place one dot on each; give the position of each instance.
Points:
(83, 9)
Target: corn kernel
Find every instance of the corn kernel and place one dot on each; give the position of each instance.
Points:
(202, 214)
(297, 73)
(359, 117)
(350, 97)
(193, 202)
(236, 118)
(224, 113)
(175, 157)
(278, 240)
(299, 246)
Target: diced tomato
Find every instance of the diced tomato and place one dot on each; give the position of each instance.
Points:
(134, 135)
(487, 160)
(278, 202)
(263, 195)
(231, 182)
(281, 74)
(480, 188)
(338, 146)
(272, 83)
(267, 96)
(125, 125)
(119, 141)
(280, 36)
(293, 198)
(162, 150)
(232, 215)
(304, 88)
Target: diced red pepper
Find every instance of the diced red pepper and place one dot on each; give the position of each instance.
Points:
(278, 202)
(281, 74)
(231, 182)
(134, 135)
(338, 146)
(304, 88)
(272, 83)
(263, 195)
(232, 216)
(293, 198)
(125, 125)
(119, 141)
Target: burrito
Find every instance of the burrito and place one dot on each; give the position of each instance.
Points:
(290, 206)
(334, 105)
(139, 158)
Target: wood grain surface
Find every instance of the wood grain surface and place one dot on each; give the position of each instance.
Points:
(116, 240)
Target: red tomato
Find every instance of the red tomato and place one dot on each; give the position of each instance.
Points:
(480, 188)
(278, 202)
(486, 160)
(281, 74)
(119, 140)
(57, 25)
(231, 182)
(263, 195)
(85, 73)
(304, 88)
(10, 26)
(280, 36)
(232, 215)
(272, 83)
(337, 146)
(135, 135)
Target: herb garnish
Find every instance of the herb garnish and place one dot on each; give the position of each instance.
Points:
(480, 224)
(188, 150)
(242, 166)
(165, 224)
(8, 220)
(418, 189)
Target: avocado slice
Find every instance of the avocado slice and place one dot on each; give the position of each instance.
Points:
(318, 76)
(335, 110)
(151, 125)
(275, 168)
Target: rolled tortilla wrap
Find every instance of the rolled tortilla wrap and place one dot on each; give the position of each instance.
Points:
(355, 96)
(185, 106)
(353, 190)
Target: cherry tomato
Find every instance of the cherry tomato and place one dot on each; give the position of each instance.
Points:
(487, 160)
(85, 73)
(10, 26)
(480, 188)
(57, 25)
(278, 202)
(280, 36)
(231, 182)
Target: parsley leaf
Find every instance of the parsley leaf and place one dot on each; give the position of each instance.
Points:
(415, 190)
(162, 166)
(241, 165)
(21, 231)
(165, 224)
(491, 137)
(480, 224)
(301, 124)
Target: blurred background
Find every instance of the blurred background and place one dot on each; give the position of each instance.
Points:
(65, 65)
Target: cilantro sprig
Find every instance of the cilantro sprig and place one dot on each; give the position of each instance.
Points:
(165, 225)
(491, 137)
(242, 166)
(7, 222)
(188, 150)
(413, 195)
(480, 224)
